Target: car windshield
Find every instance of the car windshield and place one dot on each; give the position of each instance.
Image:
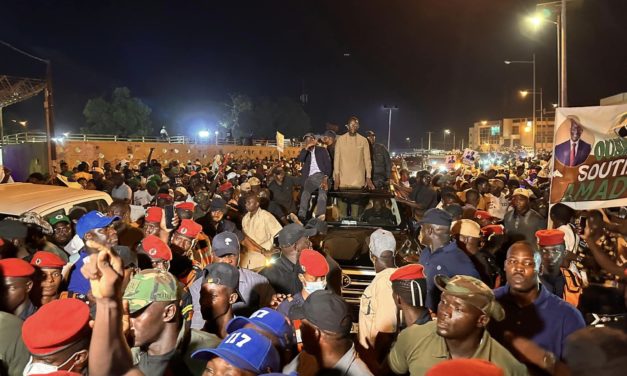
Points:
(362, 210)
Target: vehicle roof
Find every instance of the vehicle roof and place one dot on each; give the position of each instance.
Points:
(18, 198)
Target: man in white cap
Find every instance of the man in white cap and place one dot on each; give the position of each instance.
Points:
(377, 310)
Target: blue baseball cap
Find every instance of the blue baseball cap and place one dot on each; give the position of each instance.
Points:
(245, 349)
(92, 220)
(269, 320)
(437, 217)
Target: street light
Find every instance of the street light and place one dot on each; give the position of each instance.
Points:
(446, 131)
(23, 123)
(533, 104)
(543, 12)
(408, 142)
(524, 93)
(216, 133)
(390, 109)
(203, 134)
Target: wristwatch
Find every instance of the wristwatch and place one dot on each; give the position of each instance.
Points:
(549, 361)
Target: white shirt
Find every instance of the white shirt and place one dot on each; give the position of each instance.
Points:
(570, 238)
(314, 163)
(123, 192)
(497, 206)
(142, 198)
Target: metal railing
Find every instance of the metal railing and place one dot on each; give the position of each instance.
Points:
(26, 137)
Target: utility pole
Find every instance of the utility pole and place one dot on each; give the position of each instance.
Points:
(48, 105)
(462, 149)
(389, 108)
(49, 112)
(429, 133)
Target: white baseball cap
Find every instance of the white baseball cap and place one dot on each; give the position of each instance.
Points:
(380, 241)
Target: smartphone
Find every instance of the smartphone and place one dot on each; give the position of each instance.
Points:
(582, 225)
(169, 216)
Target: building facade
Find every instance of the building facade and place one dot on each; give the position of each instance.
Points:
(511, 133)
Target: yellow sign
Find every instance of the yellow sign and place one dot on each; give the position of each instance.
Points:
(280, 141)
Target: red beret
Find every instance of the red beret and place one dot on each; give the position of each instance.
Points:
(165, 196)
(44, 259)
(482, 214)
(465, 367)
(154, 214)
(492, 229)
(15, 267)
(408, 273)
(56, 325)
(226, 186)
(313, 263)
(156, 248)
(189, 228)
(185, 206)
(550, 237)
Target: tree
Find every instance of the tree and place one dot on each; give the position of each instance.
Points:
(237, 105)
(123, 116)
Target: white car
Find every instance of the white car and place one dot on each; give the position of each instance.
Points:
(48, 200)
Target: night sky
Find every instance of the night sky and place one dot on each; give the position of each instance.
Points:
(440, 61)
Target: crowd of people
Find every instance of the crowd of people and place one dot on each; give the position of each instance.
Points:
(219, 268)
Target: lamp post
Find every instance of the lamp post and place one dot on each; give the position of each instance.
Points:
(216, 133)
(429, 133)
(446, 131)
(408, 142)
(524, 93)
(390, 109)
(48, 105)
(543, 11)
(533, 104)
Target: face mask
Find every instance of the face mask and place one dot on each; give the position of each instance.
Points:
(312, 287)
(45, 368)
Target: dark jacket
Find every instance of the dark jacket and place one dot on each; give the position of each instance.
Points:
(562, 152)
(381, 163)
(322, 159)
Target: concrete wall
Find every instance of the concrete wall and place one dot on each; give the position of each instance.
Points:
(73, 152)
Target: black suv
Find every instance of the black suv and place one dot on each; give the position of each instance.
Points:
(351, 217)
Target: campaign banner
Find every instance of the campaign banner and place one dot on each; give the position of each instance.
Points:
(469, 157)
(280, 141)
(451, 160)
(589, 157)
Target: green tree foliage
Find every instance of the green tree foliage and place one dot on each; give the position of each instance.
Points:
(122, 116)
(268, 116)
(234, 108)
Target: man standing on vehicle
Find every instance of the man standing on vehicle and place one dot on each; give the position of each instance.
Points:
(316, 171)
(381, 163)
(352, 165)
